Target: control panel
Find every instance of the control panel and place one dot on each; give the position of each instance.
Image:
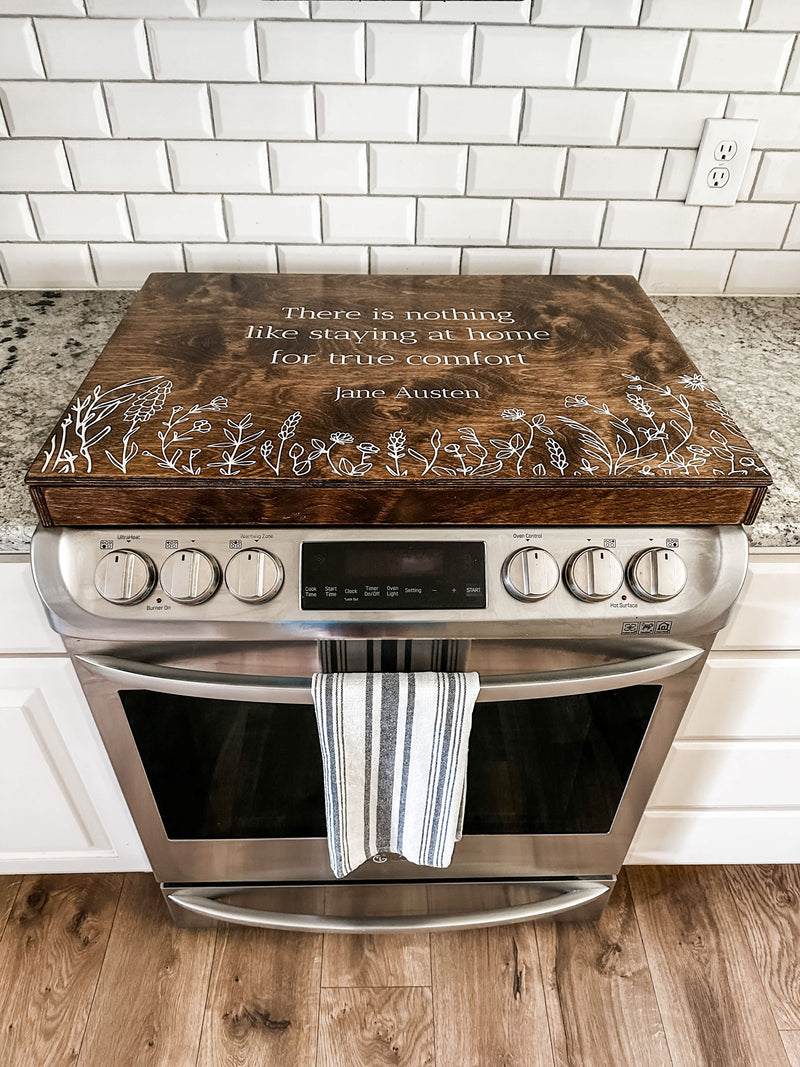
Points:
(285, 582)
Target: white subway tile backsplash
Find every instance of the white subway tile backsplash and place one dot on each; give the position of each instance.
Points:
(674, 120)
(19, 53)
(407, 54)
(415, 260)
(749, 179)
(793, 236)
(16, 223)
(536, 55)
(695, 14)
(653, 225)
(81, 216)
(254, 9)
(260, 258)
(88, 49)
(778, 118)
(323, 259)
(219, 166)
(263, 112)
(127, 266)
(298, 167)
(678, 170)
(170, 217)
(368, 219)
(41, 7)
(370, 10)
(571, 117)
(142, 9)
(311, 52)
(514, 11)
(743, 226)
(367, 112)
(616, 173)
(737, 61)
(470, 115)
(779, 177)
(463, 221)
(550, 222)
(598, 261)
(273, 218)
(586, 12)
(667, 271)
(631, 59)
(515, 170)
(44, 266)
(192, 50)
(119, 166)
(420, 168)
(506, 260)
(54, 109)
(157, 110)
(773, 15)
(29, 166)
(765, 272)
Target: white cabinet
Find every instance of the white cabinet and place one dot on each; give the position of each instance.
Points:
(61, 808)
(730, 788)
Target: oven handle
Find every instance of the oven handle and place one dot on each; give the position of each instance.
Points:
(263, 689)
(568, 896)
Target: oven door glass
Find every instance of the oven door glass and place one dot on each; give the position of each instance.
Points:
(229, 769)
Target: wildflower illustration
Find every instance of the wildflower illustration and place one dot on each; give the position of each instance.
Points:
(141, 409)
(237, 448)
(285, 433)
(397, 450)
(177, 433)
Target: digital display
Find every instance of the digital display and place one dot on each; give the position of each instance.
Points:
(386, 575)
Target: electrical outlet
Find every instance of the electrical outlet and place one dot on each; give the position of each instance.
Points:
(721, 162)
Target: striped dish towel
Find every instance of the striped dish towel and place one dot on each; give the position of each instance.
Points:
(394, 757)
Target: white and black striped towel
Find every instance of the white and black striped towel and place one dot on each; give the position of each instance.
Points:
(394, 758)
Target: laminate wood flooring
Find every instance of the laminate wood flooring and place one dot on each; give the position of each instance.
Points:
(688, 966)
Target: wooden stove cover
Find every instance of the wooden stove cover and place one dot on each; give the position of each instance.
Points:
(238, 399)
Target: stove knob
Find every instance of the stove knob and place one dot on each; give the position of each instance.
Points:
(657, 574)
(593, 574)
(125, 577)
(530, 574)
(190, 576)
(254, 575)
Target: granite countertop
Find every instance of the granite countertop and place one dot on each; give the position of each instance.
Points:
(746, 346)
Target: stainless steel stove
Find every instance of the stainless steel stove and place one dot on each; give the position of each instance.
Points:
(196, 647)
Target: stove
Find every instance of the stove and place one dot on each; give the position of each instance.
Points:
(523, 477)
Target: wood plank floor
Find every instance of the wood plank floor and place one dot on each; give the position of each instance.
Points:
(688, 967)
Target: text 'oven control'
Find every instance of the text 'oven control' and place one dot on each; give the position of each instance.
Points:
(657, 574)
(530, 574)
(593, 574)
(254, 575)
(125, 577)
(190, 576)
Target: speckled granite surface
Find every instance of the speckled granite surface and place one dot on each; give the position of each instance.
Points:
(749, 348)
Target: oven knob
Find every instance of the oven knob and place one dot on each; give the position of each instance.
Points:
(530, 574)
(593, 574)
(190, 576)
(125, 577)
(254, 575)
(657, 574)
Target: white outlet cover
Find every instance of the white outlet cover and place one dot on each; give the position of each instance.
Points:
(718, 132)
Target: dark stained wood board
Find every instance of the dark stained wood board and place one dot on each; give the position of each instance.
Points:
(344, 400)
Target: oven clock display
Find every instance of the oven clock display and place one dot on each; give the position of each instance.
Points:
(392, 575)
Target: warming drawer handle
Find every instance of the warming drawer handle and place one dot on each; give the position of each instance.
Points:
(568, 896)
(264, 690)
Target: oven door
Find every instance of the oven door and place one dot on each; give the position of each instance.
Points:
(223, 776)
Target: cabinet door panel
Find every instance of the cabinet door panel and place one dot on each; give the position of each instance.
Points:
(730, 774)
(61, 808)
(751, 695)
(717, 837)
